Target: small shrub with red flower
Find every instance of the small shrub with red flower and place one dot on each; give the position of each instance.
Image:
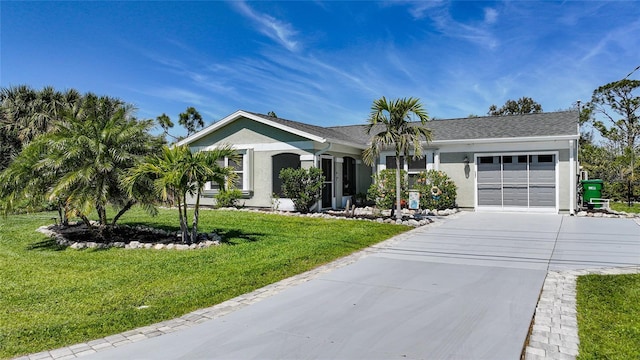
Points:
(383, 189)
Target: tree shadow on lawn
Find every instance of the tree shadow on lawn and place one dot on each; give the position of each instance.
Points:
(229, 235)
(46, 245)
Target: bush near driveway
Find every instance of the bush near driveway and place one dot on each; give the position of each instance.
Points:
(52, 296)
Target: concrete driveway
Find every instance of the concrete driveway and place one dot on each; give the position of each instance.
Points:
(465, 288)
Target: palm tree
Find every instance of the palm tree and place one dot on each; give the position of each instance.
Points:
(82, 160)
(178, 172)
(391, 122)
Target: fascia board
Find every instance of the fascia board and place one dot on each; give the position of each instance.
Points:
(496, 140)
(506, 140)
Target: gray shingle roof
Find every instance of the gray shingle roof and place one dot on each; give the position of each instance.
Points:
(564, 123)
(330, 134)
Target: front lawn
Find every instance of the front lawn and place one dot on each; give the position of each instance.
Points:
(609, 316)
(52, 296)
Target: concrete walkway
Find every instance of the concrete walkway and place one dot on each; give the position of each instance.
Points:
(466, 289)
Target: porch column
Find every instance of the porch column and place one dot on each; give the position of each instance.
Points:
(436, 160)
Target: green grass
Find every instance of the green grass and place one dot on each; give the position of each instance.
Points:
(52, 297)
(634, 208)
(609, 316)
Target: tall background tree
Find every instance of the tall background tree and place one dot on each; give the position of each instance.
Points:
(614, 112)
(524, 105)
(191, 120)
(390, 121)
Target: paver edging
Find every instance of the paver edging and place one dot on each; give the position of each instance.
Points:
(554, 331)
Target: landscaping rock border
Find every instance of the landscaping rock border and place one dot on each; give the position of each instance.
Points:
(604, 213)
(413, 218)
(210, 239)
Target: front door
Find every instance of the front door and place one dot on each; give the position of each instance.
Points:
(327, 189)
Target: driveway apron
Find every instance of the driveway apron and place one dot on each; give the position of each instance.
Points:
(463, 289)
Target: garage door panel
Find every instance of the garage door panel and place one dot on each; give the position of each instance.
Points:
(542, 196)
(515, 195)
(489, 194)
(515, 173)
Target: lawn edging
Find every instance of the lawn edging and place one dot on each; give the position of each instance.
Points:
(554, 333)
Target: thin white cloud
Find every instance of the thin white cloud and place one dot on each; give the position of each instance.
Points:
(420, 9)
(490, 15)
(439, 14)
(624, 36)
(273, 28)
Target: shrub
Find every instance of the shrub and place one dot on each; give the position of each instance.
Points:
(228, 198)
(383, 189)
(437, 190)
(302, 186)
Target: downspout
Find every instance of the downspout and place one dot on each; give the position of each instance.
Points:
(316, 155)
(572, 177)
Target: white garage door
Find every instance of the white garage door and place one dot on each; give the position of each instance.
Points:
(517, 182)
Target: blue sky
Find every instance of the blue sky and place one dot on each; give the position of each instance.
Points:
(320, 62)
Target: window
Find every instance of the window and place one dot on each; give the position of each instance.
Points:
(279, 162)
(417, 164)
(545, 158)
(239, 168)
(349, 176)
(391, 162)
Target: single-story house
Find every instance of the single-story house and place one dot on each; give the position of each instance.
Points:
(504, 163)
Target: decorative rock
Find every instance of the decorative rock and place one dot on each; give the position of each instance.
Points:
(170, 246)
(148, 245)
(159, 246)
(413, 222)
(182, 247)
(78, 245)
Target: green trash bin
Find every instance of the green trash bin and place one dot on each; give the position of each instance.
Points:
(591, 189)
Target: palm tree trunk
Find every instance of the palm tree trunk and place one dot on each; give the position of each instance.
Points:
(126, 208)
(184, 225)
(398, 199)
(196, 214)
(183, 222)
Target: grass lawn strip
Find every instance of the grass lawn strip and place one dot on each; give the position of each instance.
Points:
(634, 208)
(609, 316)
(53, 297)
